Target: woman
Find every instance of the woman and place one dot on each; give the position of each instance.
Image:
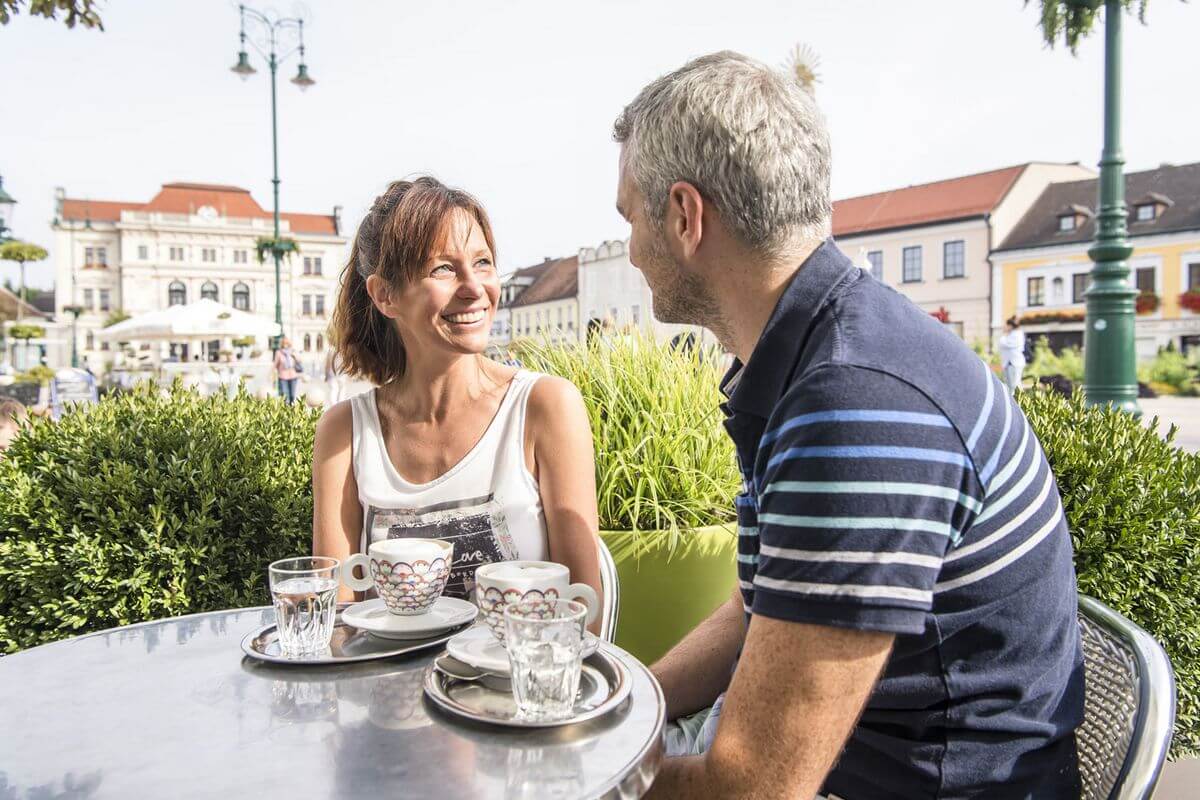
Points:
(287, 367)
(452, 444)
(1012, 354)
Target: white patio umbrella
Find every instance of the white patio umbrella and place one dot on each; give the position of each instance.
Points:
(203, 319)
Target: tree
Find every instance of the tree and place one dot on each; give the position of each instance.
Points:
(1075, 19)
(21, 252)
(82, 12)
(120, 315)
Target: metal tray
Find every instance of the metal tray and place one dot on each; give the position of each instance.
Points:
(603, 684)
(348, 645)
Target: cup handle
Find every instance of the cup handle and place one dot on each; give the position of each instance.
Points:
(586, 594)
(357, 584)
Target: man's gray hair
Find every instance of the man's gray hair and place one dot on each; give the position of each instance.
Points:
(747, 136)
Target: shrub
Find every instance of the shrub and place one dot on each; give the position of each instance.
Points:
(1132, 501)
(147, 506)
(36, 374)
(1169, 367)
(663, 460)
(1068, 363)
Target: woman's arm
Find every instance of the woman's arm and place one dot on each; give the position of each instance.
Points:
(558, 447)
(337, 515)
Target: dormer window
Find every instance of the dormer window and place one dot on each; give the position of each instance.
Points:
(1071, 217)
(1150, 207)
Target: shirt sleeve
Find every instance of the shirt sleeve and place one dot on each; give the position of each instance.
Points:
(863, 485)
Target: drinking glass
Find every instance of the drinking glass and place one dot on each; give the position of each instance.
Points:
(545, 648)
(304, 591)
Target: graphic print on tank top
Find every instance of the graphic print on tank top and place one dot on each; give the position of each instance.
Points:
(476, 526)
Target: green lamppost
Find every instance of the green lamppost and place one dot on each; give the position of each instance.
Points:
(1110, 373)
(272, 27)
(74, 311)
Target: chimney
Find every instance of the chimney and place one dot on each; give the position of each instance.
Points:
(337, 220)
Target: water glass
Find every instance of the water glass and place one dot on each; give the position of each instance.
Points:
(304, 591)
(545, 648)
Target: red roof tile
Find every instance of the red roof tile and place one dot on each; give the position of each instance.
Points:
(968, 196)
(187, 198)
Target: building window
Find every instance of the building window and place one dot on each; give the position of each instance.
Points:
(319, 303)
(306, 305)
(1193, 281)
(875, 259)
(320, 342)
(635, 314)
(954, 259)
(1145, 212)
(102, 256)
(89, 299)
(1036, 292)
(208, 255)
(912, 264)
(559, 325)
(104, 347)
(1066, 223)
(240, 257)
(104, 300)
(90, 341)
(209, 291)
(176, 294)
(1144, 278)
(177, 254)
(143, 252)
(312, 265)
(1079, 284)
(95, 257)
(317, 269)
(241, 297)
(307, 342)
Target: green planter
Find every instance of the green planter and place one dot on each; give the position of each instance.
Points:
(666, 592)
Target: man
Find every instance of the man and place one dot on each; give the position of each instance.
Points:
(904, 624)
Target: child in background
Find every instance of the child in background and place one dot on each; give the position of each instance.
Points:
(12, 415)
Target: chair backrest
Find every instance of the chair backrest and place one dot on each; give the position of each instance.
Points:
(1129, 706)
(612, 594)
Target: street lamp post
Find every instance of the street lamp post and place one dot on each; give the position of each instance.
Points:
(74, 311)
(272, 27)
(1110, 374)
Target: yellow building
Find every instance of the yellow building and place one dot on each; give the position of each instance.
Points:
(1041, 270)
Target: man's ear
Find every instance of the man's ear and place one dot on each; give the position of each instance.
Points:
(685, 216)
(381, 296)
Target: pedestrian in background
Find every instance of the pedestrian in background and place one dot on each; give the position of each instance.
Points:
(1012, 354)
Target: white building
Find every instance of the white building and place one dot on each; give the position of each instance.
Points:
(543, 302)
(613, 293)
(190, 241)
(512, 286)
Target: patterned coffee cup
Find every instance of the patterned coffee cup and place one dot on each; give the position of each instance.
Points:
(409, 574)
(535, 583)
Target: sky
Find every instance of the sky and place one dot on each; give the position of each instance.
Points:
(513, 100)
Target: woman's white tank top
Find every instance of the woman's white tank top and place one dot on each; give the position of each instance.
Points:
(487, 504)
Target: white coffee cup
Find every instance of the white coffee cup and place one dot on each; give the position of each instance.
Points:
(504, 582)
(409, 574)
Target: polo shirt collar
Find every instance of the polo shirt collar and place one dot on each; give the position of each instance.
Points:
(756, 386)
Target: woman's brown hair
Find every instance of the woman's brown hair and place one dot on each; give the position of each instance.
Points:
(394, 240)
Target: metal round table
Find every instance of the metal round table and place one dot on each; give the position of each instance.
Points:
(173, 709)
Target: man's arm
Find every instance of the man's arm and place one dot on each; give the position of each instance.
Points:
(797, 694)
(697, 669)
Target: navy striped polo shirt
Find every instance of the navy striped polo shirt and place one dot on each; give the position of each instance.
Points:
(891, 484)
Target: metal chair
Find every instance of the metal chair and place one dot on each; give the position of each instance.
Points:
(1129, 706)
(611, 587)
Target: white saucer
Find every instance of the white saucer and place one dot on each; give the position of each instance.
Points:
(373, 616)
(476, 646)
